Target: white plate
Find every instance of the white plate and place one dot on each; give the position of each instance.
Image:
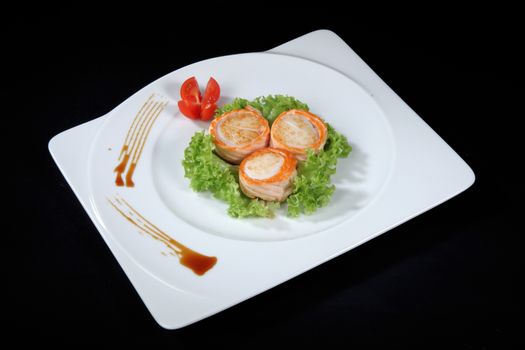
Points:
(399, 169)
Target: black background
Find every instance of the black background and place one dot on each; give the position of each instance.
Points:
(448, 277)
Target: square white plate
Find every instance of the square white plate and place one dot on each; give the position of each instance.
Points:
(423, 172)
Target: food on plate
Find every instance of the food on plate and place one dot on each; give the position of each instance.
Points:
(296, 172)
(209, 100)
(189, 90)
(238, 133)
(268, 174)
(193, 105)
(298, 131)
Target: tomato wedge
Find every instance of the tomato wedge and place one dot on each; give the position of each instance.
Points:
(212, 92)
(193, 105)
(207, 111)
(189, 90)
(190, 109)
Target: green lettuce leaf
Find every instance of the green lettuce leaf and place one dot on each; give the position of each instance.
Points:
(312, 186)
(208, 172)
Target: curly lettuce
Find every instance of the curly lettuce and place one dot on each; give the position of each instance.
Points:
(312, 188)
(270, 106)
(208, 172)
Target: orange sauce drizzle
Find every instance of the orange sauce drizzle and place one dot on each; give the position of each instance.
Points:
(197, 262)
(135, 140)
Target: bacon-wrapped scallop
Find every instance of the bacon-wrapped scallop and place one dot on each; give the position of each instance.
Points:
(268, 174)
(296, 131)
(238, 133)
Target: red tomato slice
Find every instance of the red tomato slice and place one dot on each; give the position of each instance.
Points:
(212, 92)
(208, 110)
(189, 91)
(190, 109)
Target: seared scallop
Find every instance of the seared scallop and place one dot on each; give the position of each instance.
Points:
(296, 131)
(268, 174)
(238, 133)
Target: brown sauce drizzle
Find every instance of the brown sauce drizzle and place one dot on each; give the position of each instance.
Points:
(193, 260)
(136, 139)
(120, 169)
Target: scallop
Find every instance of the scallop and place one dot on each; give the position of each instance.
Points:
(238, 133)
(296, 131)
(268, 174)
